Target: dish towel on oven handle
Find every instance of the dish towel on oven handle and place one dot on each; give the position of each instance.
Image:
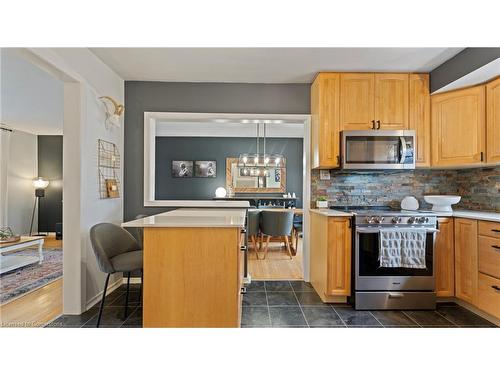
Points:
(402, 247)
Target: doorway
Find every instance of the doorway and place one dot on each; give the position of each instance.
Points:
(32, 259)
(159, 192)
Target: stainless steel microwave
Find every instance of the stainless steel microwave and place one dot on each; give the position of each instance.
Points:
(378, 149)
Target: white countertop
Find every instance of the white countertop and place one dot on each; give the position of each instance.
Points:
(328, 212)
(192, 218)
(466, 214)
(469, 214)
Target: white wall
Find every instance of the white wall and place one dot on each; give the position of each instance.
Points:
(87, 78)
(23, 166)
(32, 100)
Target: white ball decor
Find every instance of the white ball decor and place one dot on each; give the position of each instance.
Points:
(220, 192)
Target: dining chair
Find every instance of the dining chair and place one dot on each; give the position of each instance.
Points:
(116, 250)
(253, 229)
(277, 223)
(297, 229)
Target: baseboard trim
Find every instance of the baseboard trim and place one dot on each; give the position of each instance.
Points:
(97, 298)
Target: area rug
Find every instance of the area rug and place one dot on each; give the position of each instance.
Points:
(18, 282)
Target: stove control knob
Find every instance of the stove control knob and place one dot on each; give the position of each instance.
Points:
(379, 219)
(396, 220)
(370, 220)
(411, 220)
(423, 220)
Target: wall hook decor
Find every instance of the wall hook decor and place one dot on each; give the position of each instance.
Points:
(114, 110)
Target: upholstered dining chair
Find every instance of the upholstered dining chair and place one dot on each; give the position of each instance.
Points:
(297, 229)
(116, 250)
(277, 223)
(253, 229)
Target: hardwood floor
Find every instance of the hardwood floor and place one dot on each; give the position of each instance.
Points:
(39, 307)
(277, 265)
(35, 309)
(50, 242)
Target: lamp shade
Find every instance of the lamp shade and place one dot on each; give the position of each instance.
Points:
(40, 183)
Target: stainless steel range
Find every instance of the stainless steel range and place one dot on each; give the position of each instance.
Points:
(383, 288)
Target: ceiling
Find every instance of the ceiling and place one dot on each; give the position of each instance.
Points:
(31, 99)
(263, 65)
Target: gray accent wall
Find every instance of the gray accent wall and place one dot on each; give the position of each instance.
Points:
(50, 167)
(143, 97)
(218, 149)
(461, 64)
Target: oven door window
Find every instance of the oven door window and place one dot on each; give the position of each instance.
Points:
(370, 266)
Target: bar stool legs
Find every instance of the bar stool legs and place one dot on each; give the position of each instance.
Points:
(126, 297)
(102, 300)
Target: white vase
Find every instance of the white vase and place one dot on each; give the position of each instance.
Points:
(322, 204)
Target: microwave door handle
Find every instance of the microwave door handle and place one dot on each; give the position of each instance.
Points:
(402, 150)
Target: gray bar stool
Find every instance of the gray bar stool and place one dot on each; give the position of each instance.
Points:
(277, 223)
(253, 229)
(116, 250)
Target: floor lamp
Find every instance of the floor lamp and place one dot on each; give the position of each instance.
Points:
(40, 185)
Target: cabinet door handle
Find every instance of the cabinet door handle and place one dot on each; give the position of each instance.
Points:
(496, 288)
(373, 124)
(482, 156)
(338, 159)
(495, 247)
(378, 125)
(243, 248)
(496, 230)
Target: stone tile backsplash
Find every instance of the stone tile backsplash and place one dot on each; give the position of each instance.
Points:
(479, 187)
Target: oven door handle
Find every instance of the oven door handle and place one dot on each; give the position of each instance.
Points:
(396, 295)
(377, 230)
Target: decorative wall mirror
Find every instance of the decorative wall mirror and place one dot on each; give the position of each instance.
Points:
(238, 181)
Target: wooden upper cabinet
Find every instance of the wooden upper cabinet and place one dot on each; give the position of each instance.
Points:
(357, 101)
(493, 121)
(466, 259)
(458, 127)
(445, 258)
(420, 117)
(339, 257)
(325, 130)
(391, 101)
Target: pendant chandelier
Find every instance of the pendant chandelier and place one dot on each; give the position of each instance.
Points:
(258, 164)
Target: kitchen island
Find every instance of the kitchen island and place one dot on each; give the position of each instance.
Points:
(193, 267)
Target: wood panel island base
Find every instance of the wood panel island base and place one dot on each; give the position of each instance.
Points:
(193, 268)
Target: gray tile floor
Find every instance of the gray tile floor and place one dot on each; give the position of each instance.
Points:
(296, 304)
(286, 304)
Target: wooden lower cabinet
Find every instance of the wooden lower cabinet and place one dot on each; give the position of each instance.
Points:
(192, 277)
(445, 258)
(330, 256)
(466, 259)
(488, 294)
